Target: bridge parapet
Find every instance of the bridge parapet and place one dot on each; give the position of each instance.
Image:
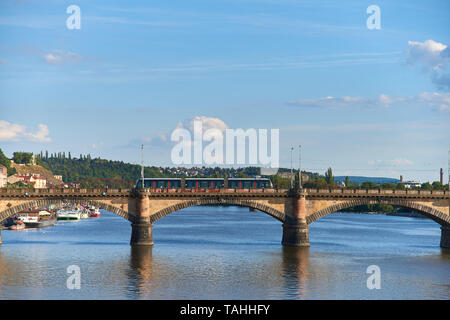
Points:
(8, 192)
(443, 194)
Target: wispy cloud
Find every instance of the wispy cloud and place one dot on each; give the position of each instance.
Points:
(434, 100)
(393, 162)
(59, 57)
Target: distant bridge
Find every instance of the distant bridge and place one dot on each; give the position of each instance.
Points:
(295, 209)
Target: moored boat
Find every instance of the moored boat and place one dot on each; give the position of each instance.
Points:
(18, 226)
(68, 214)
(36, 218)
(95, 212)
(84, 214)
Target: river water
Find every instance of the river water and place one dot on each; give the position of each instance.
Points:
(227, 253)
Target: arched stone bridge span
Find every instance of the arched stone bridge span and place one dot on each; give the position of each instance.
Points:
(295, 209)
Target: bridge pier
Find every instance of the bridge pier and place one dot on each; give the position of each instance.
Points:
(445, 237)
(141, 234)
(141, 228)
(295, 228)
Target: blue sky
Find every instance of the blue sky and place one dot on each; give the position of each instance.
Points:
(365, 102)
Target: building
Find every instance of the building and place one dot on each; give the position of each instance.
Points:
(442, 176)
(411, 184)
(35, 180)
(340, 183)
(3, 176)
(287, 175)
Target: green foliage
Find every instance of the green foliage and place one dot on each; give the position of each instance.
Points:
(369, 185)
(318, 183)
(280, 183)
(438, 186)
(329, 176)
(85, 168)
(400, 186)
(22, 157)
(382, 208)
(426, 186)
(347, 182)
(388, 186)
(19, 185)
(7, 163)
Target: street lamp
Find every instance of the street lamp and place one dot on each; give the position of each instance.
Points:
(292, 148)
(300, 166)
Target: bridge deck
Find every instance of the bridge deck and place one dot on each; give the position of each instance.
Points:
(308, 193)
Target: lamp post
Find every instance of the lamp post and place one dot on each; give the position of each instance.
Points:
(142, 166)
(292, 148)
(300, 167)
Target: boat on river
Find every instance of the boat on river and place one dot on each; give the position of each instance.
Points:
(68, 214)
(95, 212)
(84, 214)
(19, 225)
(36, 218)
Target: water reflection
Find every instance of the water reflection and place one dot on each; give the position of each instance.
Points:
(295, 271)
(226, 259)
(140, 272)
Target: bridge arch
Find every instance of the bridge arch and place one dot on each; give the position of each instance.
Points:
(5, 214)
(280, 216)
(426, 211)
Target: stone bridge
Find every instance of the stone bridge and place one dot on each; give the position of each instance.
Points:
(295, 209)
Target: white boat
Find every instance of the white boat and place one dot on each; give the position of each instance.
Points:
(84, 214)
(28, 217)
(68, 214)
(36, 218)
(94, 212)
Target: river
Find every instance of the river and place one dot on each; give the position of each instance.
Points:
(227, 253)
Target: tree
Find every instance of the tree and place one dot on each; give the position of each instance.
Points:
(437, 186)
(329, 176)
(368, 185)
(426, 186)
(347, 182)
(22, 157)
(7, 163)
(388, 185)
(400, 186)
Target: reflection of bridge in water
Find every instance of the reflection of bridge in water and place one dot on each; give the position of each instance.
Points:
(295, 209)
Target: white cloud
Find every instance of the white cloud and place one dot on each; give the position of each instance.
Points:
(434, 58)
(435, 100)
(16, 132)
(59, 57)
(207, 123)
(97, 145)
(430, 54)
